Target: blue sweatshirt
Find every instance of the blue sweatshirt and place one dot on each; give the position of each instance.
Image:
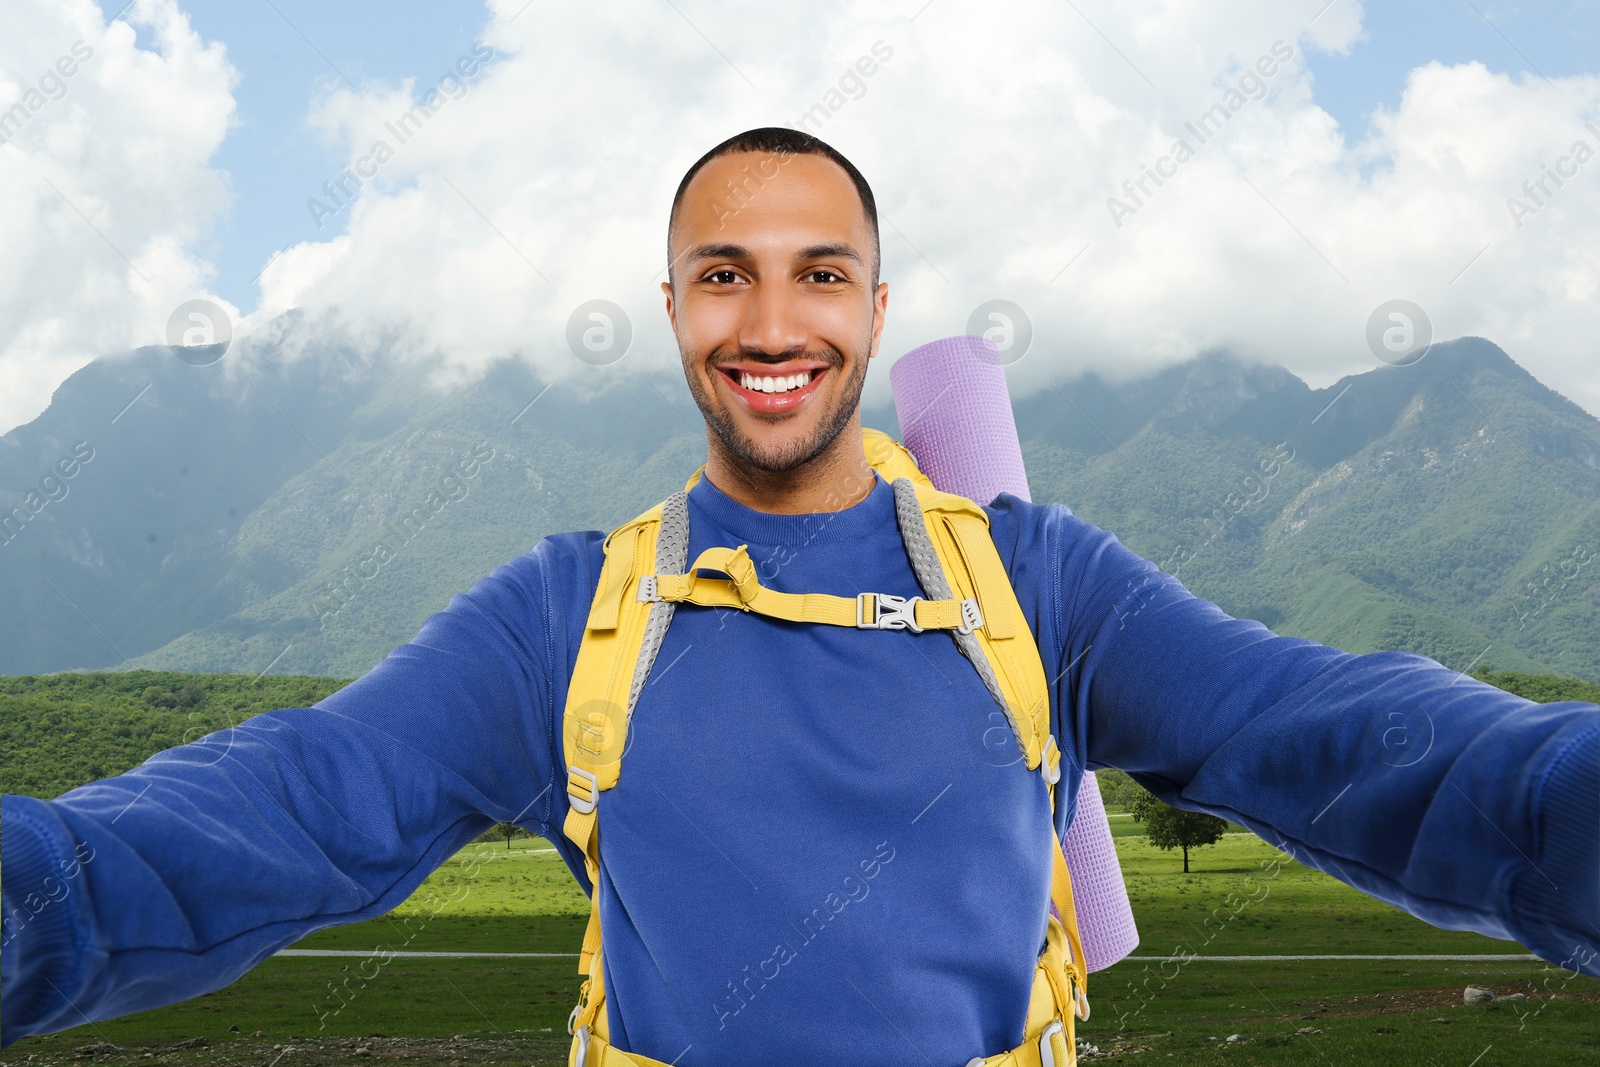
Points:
(820, 850)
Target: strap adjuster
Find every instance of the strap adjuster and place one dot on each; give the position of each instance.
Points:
(1047, 1055)
(887, 612)
(971, 617)
(579, 802)
(648, 592)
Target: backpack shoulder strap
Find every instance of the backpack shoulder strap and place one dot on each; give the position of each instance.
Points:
(621, 637)
(948, 540)
(953, 555)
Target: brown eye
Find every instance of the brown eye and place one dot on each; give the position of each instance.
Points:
(825, 276)
(723, 276)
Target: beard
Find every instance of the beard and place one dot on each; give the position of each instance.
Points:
(785, 457)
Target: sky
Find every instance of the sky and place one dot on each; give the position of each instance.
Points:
(1365, 154)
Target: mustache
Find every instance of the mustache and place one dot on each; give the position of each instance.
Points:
(831, 356)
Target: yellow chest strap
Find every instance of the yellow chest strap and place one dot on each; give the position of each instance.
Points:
(743, 590)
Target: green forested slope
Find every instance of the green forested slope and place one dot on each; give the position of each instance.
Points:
(60, 731)
(345, 566)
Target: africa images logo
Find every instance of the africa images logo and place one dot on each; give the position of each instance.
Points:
(1251, 85)
(199, 332)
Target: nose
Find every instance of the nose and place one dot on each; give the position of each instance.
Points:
(773, 324)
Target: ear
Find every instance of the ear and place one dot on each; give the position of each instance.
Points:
(880, 310)
(672, 315)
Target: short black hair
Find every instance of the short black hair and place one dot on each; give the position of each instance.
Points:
(782, 141)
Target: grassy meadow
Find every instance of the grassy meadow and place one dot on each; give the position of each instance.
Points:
(1236, 901)
(1241, 898)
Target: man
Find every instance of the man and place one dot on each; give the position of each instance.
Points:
(806, 859)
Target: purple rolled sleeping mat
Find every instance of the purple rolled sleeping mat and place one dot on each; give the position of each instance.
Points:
(955, 418)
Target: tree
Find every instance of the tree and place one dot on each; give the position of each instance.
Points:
(509, 829)
(1117, 790)
(1168, 827)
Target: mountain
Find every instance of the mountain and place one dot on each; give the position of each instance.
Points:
(224, 516)
(1451, 507)
(302, 510)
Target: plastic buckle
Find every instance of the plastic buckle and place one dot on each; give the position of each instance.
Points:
(584, 805)
(583, 1046)
(890, 612)
(648, 593)
(1050, 769)
(971, 617)
(1047, 1055)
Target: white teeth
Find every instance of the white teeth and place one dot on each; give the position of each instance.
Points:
(769, 384)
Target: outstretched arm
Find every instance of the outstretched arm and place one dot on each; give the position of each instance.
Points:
(175, 878)
(1467, 806)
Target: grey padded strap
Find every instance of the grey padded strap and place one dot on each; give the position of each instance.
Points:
(930, 575)
(672, 556)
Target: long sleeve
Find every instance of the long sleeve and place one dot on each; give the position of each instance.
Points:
(177, 877)
(1465, 805)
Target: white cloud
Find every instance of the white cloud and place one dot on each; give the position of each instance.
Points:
(104, 175)
(993, 144)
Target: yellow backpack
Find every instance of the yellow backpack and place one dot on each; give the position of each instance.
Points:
(969, 593)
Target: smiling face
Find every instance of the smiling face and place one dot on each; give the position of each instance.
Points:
(775, 312)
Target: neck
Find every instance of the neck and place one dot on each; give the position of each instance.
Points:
(835, 479)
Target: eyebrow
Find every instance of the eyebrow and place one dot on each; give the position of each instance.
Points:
(832, 251)
(733, 251)
(716, 251)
